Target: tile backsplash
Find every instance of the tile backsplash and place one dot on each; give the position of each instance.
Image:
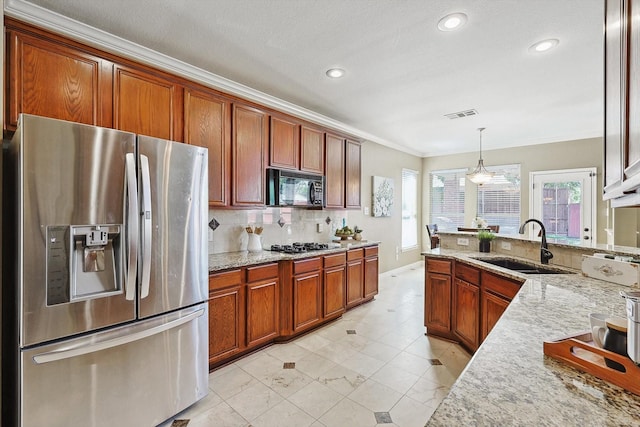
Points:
(300, 225)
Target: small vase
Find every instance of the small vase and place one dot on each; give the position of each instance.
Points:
(484, 246)
(357, 236)
(254, 244)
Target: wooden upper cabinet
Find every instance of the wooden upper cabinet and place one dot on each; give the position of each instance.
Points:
(352, 175)
(284, 149)
(50, 79)
(146, 104)
(311, 150)
(207, 123)
(334, 171)
(249, 143)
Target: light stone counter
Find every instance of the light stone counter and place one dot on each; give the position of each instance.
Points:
(227, 260)
(509, 381)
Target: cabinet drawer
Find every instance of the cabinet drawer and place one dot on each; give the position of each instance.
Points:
(306, 265)
(468, 273)
(370, 251)
(262, 272)
(354, 254)
(500, 285)
(438, 266)
(334, 260)
(224, 279)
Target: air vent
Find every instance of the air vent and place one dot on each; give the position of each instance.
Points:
(460, 114)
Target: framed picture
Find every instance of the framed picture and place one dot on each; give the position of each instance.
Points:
(382, 202)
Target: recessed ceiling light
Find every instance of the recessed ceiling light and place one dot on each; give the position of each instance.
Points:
(335, 73)
(452, 22)
(544, 45)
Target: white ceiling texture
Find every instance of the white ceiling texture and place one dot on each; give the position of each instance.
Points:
(402, 74)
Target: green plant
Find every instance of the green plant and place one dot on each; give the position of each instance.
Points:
(484, 235)
(357, 229)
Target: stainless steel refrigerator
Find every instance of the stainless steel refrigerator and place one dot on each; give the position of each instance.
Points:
(104, 276)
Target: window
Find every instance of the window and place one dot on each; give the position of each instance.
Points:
(499, 200)
(447, 199)
(409, 209)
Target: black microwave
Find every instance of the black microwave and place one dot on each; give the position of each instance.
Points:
(290, 188)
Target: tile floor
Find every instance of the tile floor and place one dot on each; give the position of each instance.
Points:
(374, 366)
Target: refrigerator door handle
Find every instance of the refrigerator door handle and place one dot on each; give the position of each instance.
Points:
(131, 216)
(54, 356)
(146, 226)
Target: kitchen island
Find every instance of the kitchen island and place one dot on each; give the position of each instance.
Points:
(509, 381)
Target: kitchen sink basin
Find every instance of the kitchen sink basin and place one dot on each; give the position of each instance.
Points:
(521, 267)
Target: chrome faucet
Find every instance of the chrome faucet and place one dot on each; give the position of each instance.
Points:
(545, 253)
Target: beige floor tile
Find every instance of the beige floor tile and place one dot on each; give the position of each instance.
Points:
(314, 365)
(336, 351)
(363, 364)
(312, 342)
(440, 374)
(284, 414)
(263, 367)
(380, 351)
(427, 392)
(232, 382)
(315, 399)
(348, 413)
(396, 378)
(254, 401)
(411, 363)
(375, 396)
(341, 379)
(286, 381)
(221, 415)
(410, 413)
(289, 352)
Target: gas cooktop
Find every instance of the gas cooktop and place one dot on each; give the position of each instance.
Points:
(298, 247)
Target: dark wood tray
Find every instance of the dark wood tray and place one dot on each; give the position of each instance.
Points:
(580, 352)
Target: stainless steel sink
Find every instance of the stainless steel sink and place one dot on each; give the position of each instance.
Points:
(521, 267)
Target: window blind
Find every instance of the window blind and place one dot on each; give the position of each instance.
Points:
(409, 209)
(447, 199)
(499, 200)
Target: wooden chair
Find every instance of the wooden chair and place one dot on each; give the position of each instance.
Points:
(433, 237)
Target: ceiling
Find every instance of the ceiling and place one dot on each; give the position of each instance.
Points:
(402, 74)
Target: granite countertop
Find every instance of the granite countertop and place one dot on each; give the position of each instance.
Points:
(509, 381)
(227, 260)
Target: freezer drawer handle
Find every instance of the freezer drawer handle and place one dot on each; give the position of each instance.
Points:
(92, 348)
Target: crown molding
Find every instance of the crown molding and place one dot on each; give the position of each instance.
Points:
(54, 22)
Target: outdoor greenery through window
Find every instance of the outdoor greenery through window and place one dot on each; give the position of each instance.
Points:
(447, 199)
(409, 209)
(499, 200)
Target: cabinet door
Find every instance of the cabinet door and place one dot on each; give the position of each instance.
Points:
(466, 301)
(284, 151)
(207, 123)
(262, 312)
(52, 80)
(352, 175)
(370, 277)
(226, 322)
(334, 291)
(492, 308)
(355, 283)
(437, 304)
(249, 151)
(147, 104)
(334, 171)
(307, 297)
(312, 150)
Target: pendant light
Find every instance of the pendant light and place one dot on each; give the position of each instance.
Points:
(480, 174)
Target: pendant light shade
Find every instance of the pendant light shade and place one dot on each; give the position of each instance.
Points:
(480, 175)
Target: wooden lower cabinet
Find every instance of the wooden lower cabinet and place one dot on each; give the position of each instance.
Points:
(334, 285)
(370, 272)
(462, 302)
(437, 309)
(466, 300)
(355, 277)
(492, 308)
(307, 300)
(226, 320)
(262, 312)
